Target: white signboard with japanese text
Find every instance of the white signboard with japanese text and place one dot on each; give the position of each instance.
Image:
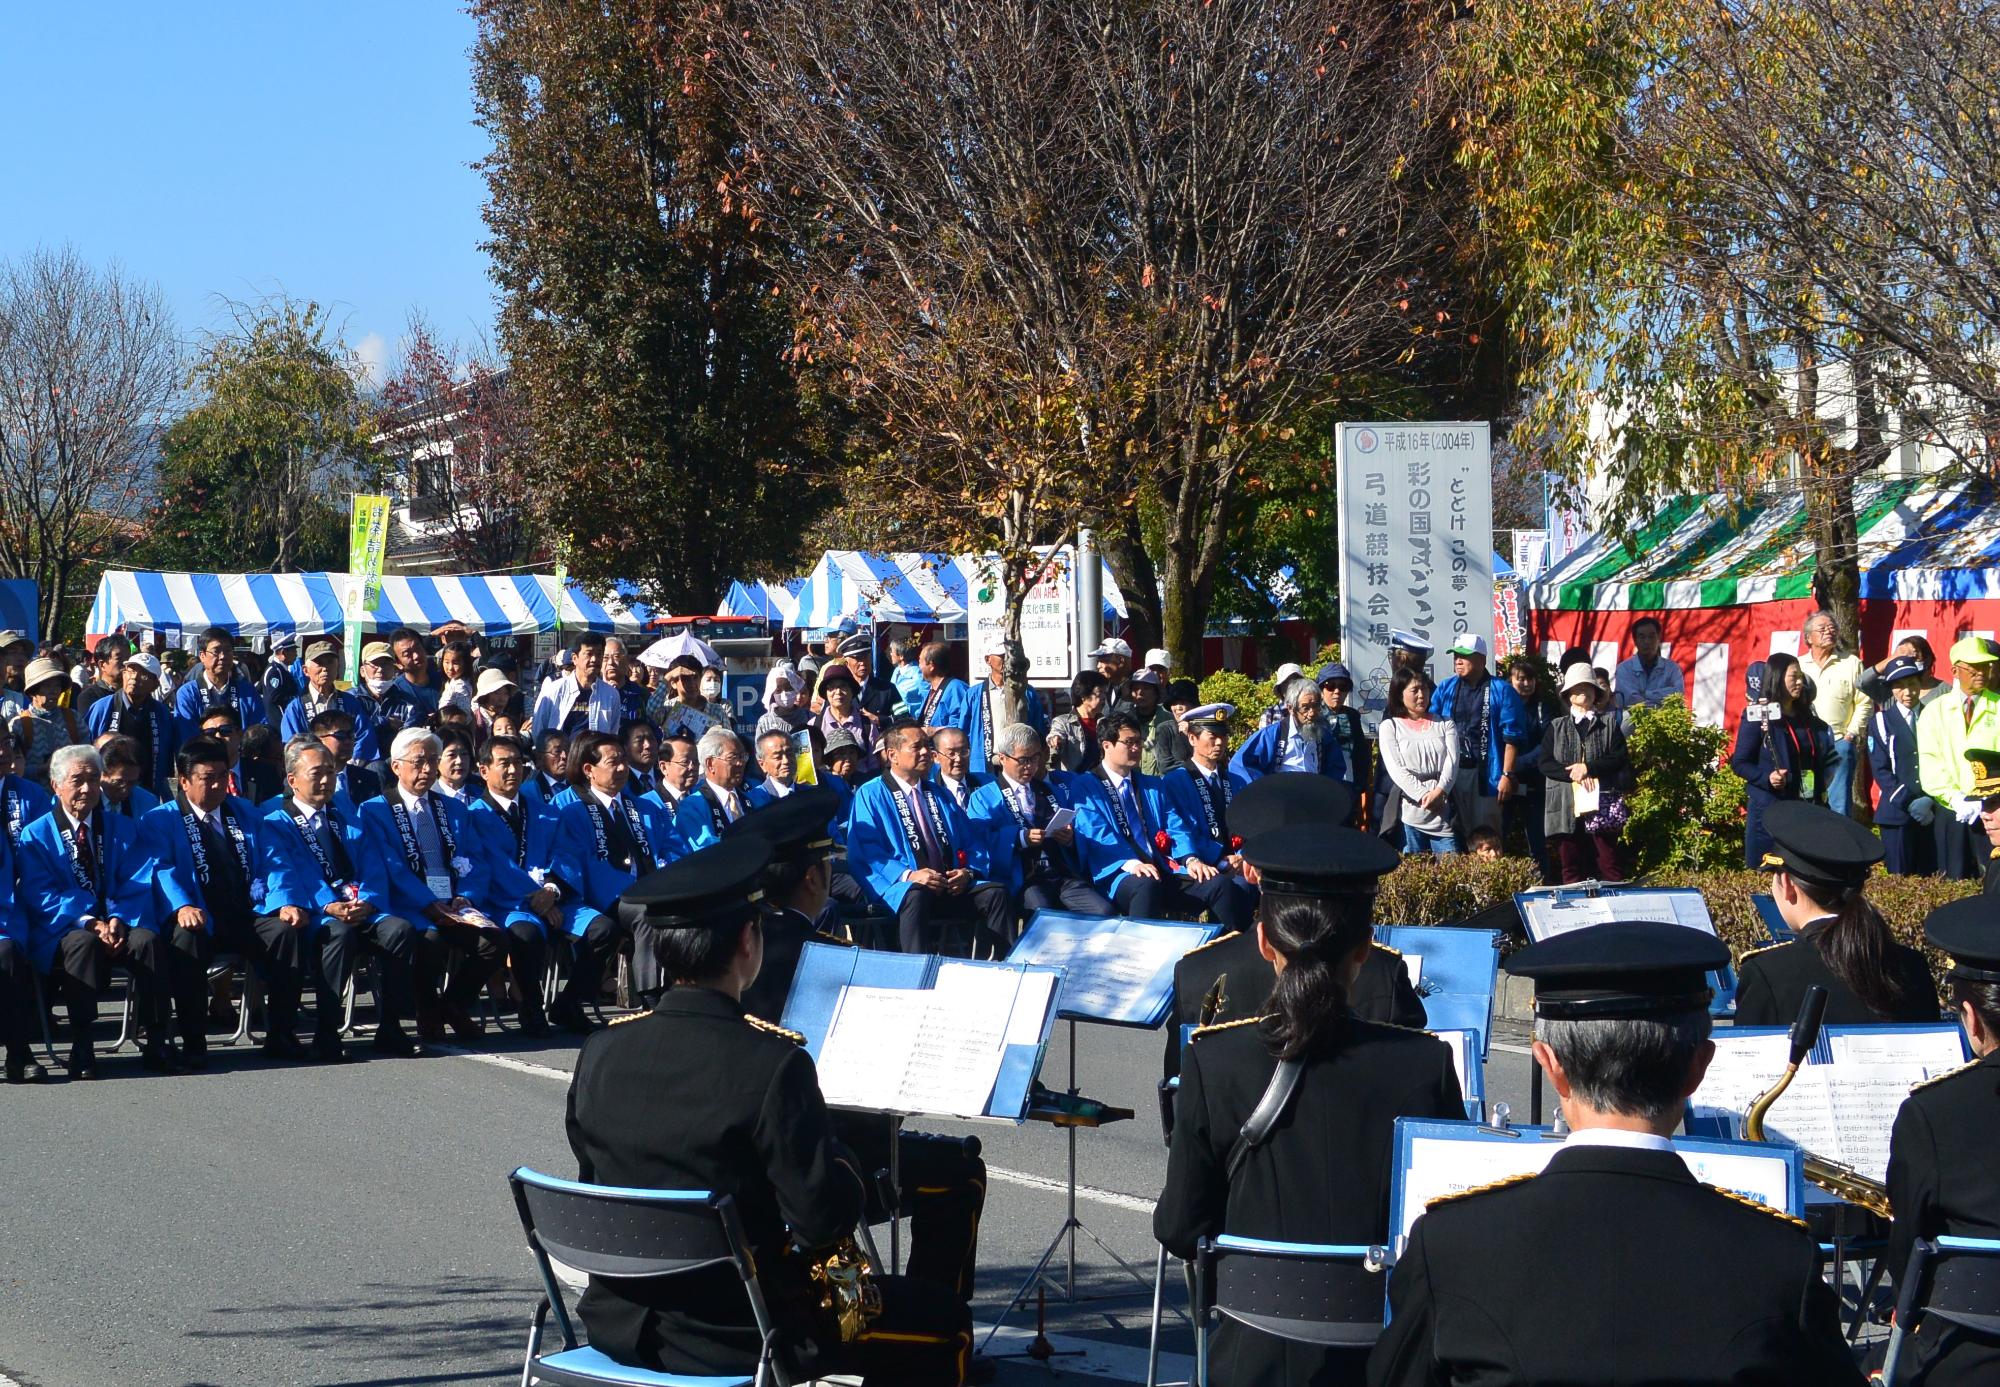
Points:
(1048, 620)
(1416, 542)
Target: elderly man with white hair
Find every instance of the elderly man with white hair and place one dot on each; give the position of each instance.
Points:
(87, 888)
(1298, 740)
(436, 873)
(718, 799)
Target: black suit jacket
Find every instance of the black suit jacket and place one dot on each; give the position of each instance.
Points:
(1941, 1182)
(362, 783)
(695, 1094)
(1771, 983)
(1323, 1174)
(1382, 990)
(1613, 1266)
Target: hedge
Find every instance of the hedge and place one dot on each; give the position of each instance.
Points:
(1445, 890)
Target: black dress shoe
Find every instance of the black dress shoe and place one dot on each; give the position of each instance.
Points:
(82, 1064)
(462, 1022)
(327, 1047)
(980, 1369)
(568, 1013)
(279, 1045)
(22, 1069)
(194, 1052)
(395, 1043)
(534, 1023)
(159, 1057)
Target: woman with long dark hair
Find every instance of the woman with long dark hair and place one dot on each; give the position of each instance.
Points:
(1820, 861)
(1321, 1174)
(1782, 750)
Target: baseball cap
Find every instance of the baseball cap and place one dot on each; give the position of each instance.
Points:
(1333, 670)
(1469, 645)
(321, 650)
(1159, 659)
(148, 663)
(376, 650)
(1110, 645)
(1147, 676)
(1967, 650)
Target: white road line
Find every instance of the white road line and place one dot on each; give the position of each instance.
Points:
(6, 1381)
(1113, 1199)
(1510, 1049)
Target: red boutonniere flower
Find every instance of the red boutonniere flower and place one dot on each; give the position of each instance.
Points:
(1235, 842)
(961, 857)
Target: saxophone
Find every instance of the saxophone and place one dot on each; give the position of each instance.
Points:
(1842, 1181)
(845, 1281)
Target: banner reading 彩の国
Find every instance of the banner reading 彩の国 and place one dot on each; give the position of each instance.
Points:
(1416, 541)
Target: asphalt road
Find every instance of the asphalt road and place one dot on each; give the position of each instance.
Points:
(351, 1225)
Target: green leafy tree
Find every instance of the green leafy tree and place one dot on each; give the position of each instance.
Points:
(257, 474)
(670, 442)
(1687, 809)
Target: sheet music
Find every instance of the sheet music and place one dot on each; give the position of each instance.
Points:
(1937, 1050)
(1413, 964)
(1456, 1040)
(1548, 917)
(1766, 1180)
(1439, 1167)
(1843, 1112)
(1031, 1006)
(1744, 1066)
(1111, 970)
(930, 1051)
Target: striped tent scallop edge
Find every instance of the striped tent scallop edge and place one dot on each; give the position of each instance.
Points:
(253, 605)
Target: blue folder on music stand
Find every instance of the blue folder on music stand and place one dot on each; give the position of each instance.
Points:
(825, 969)
(1459, 971)
(1542, 911)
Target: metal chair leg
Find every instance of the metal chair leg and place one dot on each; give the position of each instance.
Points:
(1153, 1335)
(125, 1028)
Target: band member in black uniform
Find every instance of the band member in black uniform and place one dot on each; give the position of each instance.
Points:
(1227, 978)
(1615, 1264)
(1322, 1174)
(698, 1094)
(1942, 1149)
(1819, 860)
(941, 1182)
(1986, 784)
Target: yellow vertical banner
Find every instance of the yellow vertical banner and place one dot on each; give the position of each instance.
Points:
(367, 544)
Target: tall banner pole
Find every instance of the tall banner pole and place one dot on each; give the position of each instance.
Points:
(367, 543)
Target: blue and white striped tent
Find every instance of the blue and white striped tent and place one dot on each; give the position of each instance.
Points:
(257, 604)
(774, 602)
(917, 589)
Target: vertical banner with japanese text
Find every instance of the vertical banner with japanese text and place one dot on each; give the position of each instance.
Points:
(367, 543)
(1416, 542)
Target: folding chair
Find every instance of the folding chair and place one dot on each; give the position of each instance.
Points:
(221, 966)
(1327, 1295)
(1956, 1280)
(1168, 1089)
(42, 1017)
(604, 1230)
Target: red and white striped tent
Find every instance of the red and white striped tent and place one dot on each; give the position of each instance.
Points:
(1732, 582)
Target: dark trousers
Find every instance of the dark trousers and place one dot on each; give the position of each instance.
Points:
(589, 952)
(1229, 900)
(18, 1022)
(923, 1338)
(1586, 857)
(269, 945)
(1051, 890)
(528, 961)
(1911, 849)
(83, 970)
(1962, 849)
(940, 1186)
(391, 937)
(469, 953)
(921, 918)
(1527, 810)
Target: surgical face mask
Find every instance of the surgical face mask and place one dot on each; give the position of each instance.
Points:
(378, 687)
(783, 698)
(711, 687)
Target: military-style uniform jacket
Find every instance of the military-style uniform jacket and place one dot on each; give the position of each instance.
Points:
(1382, 990)
(786, 934)
(1321, 1176)
(1941, 1182)
(1614, 1266)
(1771, 983)
(696, 1094)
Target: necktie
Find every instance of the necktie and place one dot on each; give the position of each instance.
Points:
(1140, 837)
(1970, 702)
(958, 793)
(932, 857)
(428, 842)
(86, 851)
(514, 820)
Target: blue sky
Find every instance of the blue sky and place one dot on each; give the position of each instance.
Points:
(235, 148)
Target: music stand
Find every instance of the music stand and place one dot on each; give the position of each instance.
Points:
(1115, 972)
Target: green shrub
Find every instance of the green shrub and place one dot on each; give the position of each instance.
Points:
(1687, 809)
(1441, 890)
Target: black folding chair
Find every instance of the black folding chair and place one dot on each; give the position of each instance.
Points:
(604, 1230)
(1956, 1280)
(1325, 1294)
